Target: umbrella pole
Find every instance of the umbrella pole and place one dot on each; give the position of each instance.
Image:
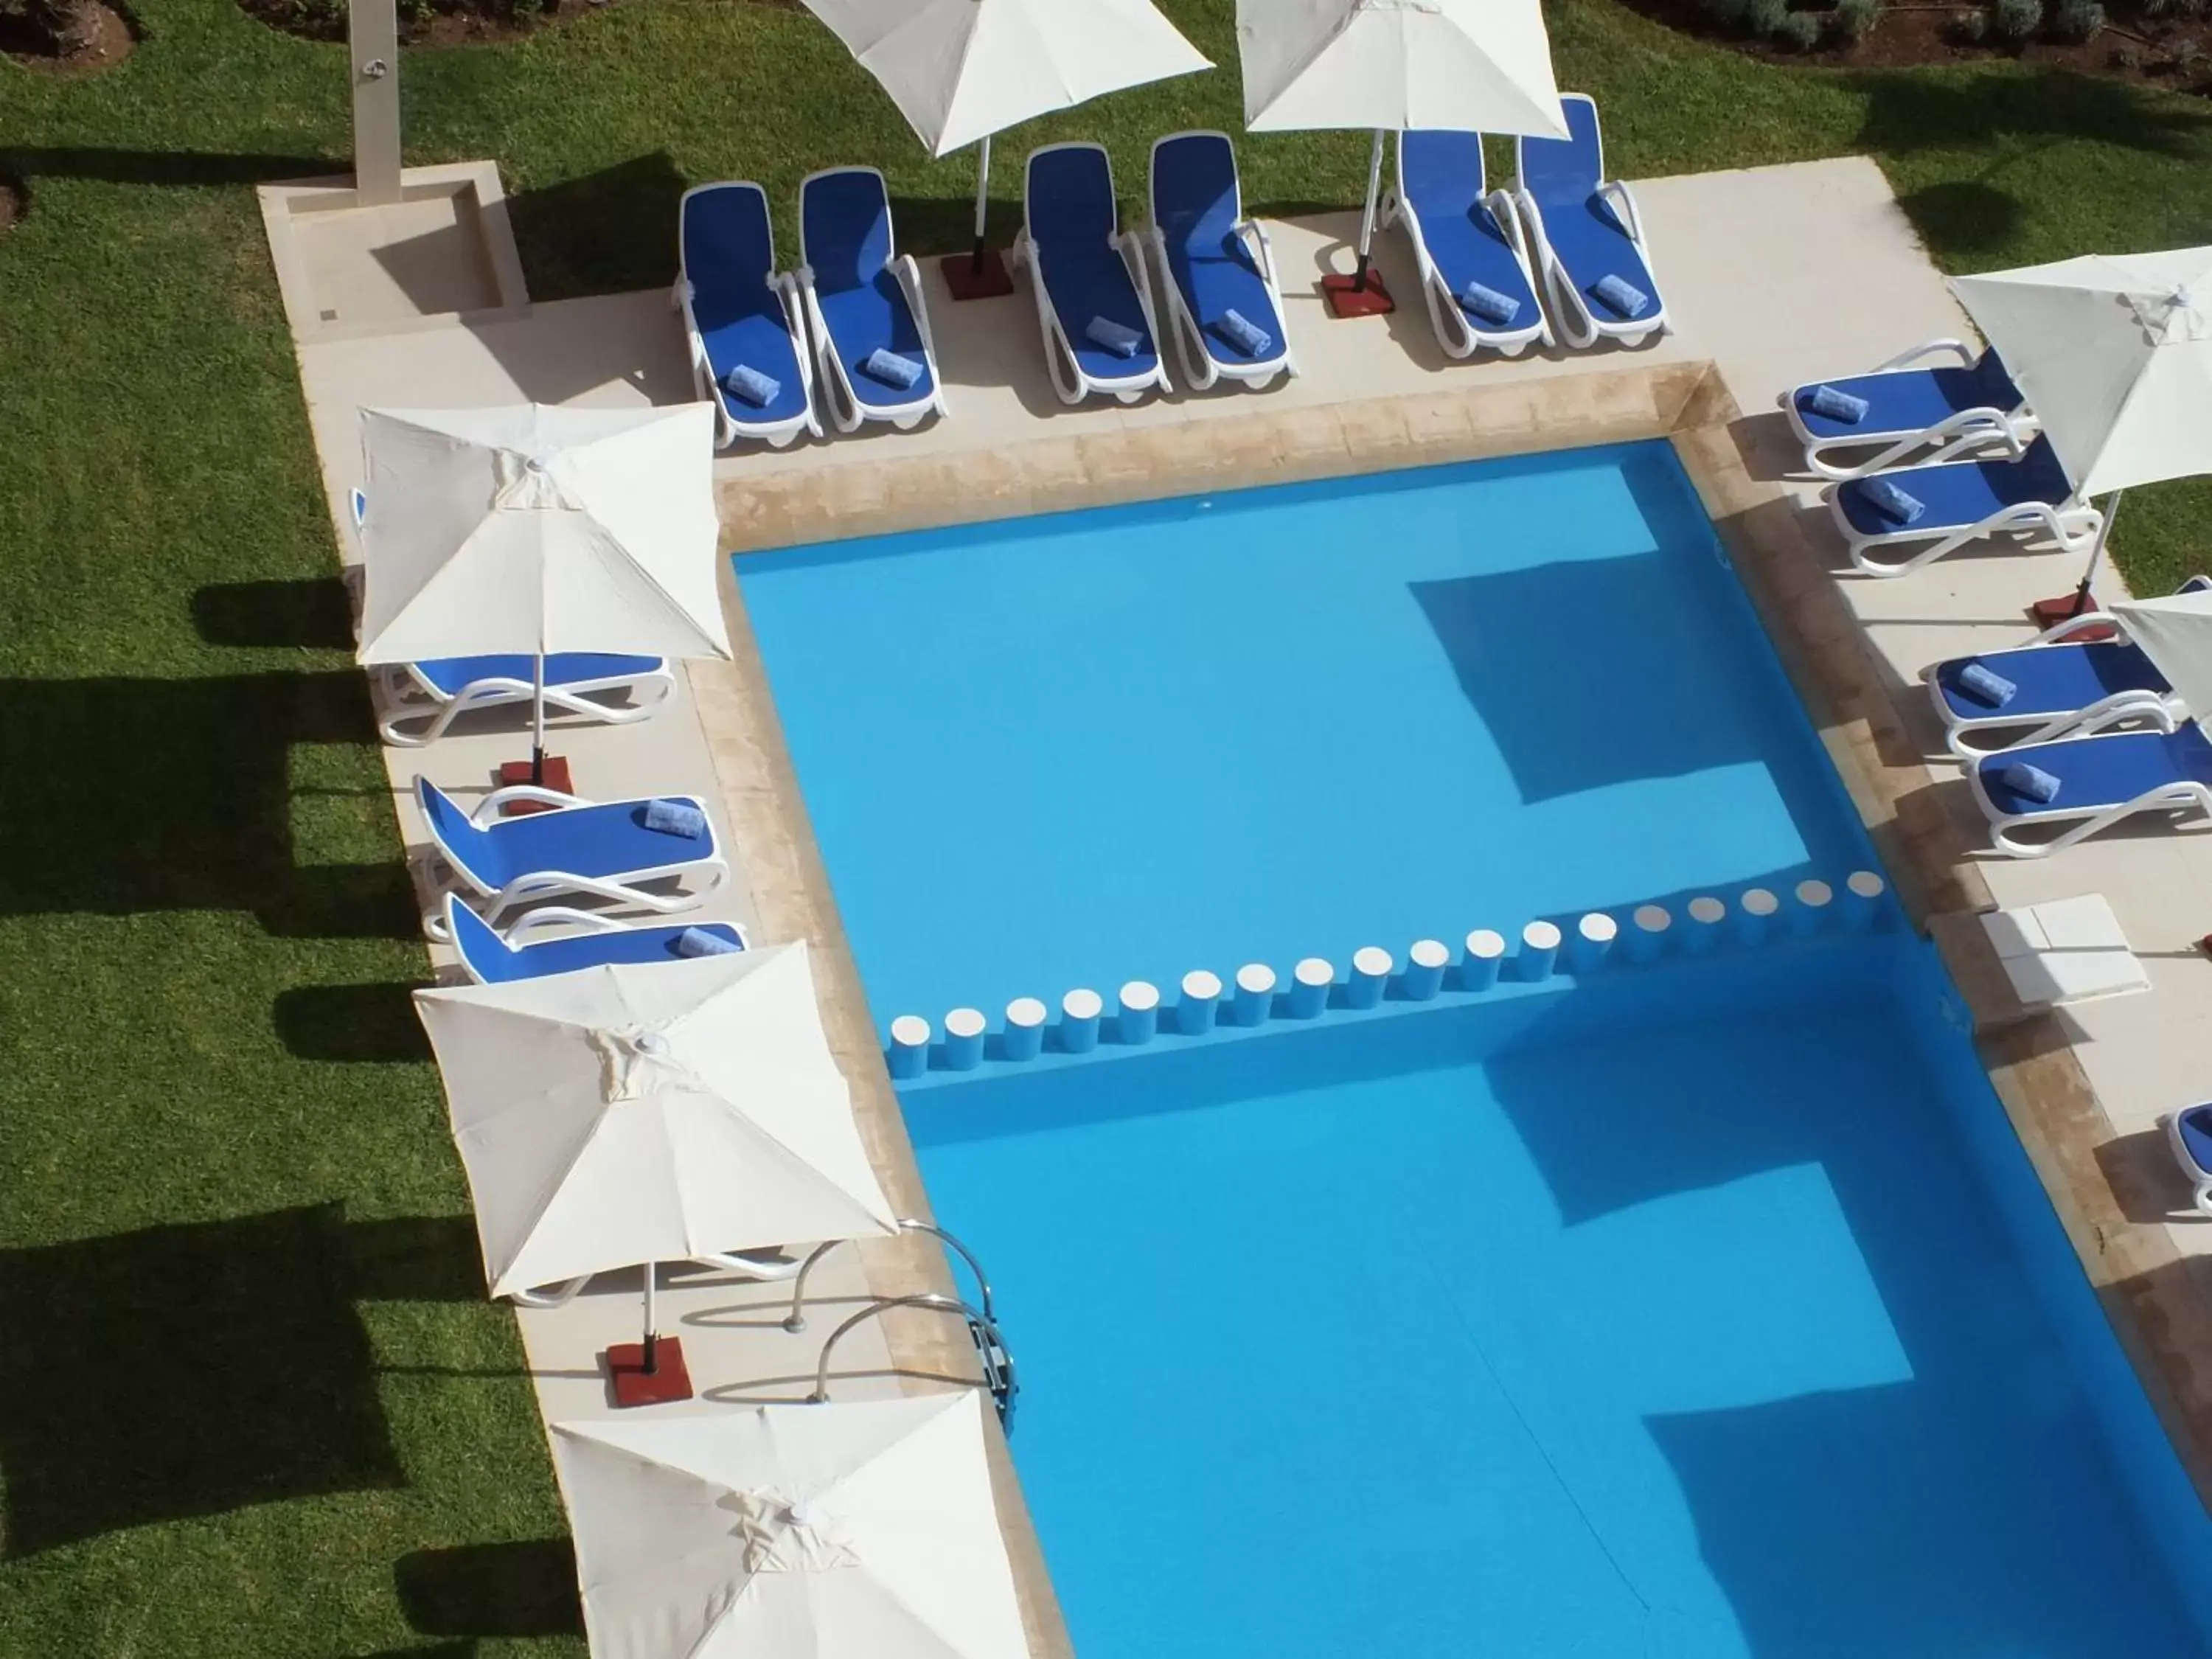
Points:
(646, 1355)
(982, 201)
(2104, 535)
(538, 719)
(1367, 220)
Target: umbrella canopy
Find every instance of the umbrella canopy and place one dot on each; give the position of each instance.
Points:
(961, 69)
(2176, 634)
(1466, 65)
(858, 1531)
(650, 1113)
(2114, 354)
(534, 530)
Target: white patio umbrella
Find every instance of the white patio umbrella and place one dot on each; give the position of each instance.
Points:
(664, 1111)
(960, 70)
(2114, 355)
(532, 529)
(1461, 65)
(2176, 634)
(865, 1530)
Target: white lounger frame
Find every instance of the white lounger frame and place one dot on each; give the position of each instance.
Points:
(2199, 1176)
(1068, 378)
(731, 423)
(2177, 796)
(1457, 332)
(407, 698)
(2071, 528)
(1579, 325)
(1987, 432)
(1199, 366)
(2162, 710)
(848, 411)
(628, 891)
(547, 917)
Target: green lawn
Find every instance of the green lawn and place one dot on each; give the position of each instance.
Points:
(252, 1401)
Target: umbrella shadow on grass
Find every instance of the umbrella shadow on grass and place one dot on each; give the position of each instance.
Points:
(521, 1589)
(354, 1024)
(255, 792)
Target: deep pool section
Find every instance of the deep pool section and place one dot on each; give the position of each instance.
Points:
(1129, 743)
(1705, 1314)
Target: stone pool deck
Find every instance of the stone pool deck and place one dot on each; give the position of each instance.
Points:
(2084, 1087)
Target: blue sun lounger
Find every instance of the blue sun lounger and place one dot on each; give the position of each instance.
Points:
(1916, 413)
(492, 959)
(2062, 687)
(741, 316)
(579, 848)
(1466, 239)
(1089, 278)
(2189, 1131)
(1214, 262)
(1585, 234)
(1964, 501)
(863, 296)
(2102, 781)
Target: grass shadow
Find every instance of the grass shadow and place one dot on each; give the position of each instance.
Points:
(185, 167)
(314, 612)
(604, 232)
(1963, 217)
(522, 1588)
(376, 1023)
(1909, 113)
(180, 1372)
(415, 1258)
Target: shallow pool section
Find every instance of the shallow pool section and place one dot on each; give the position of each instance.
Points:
(1706, 1313)
(1072, 750)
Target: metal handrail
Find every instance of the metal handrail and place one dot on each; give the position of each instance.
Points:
(976, 1322)
(796, 1319)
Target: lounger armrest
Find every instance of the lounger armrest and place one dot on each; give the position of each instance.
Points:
(561, 915)
(2131, 707)
(1615, 195)
(1263, 251)
(489, 809)
(2195, 585)
(2059, 632)
(1913, 354)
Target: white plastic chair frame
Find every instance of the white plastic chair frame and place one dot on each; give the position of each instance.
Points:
(629, 891)
(1068, 377)
(2199, 1176)
(2161, 710)
(2175, 796)
(1580, 327)
(846, 412)
(1457, 332)
(2071, 528)
(1987, 432)
(729, 426)
(1199, 366)
(407, 697)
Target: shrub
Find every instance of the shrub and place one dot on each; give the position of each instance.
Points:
(1973, 26)
(2014, 21)
(1728, 13)
(1764, 17)
(2077, 20)
(1799, 29)
(1854, 19)
(60, 26)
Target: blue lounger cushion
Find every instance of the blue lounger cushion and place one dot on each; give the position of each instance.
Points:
(674, 817)
(454, 675)
(1908, 400)
(1440, 174)
(1621, 295)
(1847, 407)
(1487, 303)
(2030, 782)
(1562, 176)
(2050, 680)
(602, 841)
(1117, 338)
(705, 942)
(845, 234)
(2193, 1124)
(756, 388)
(1960, 492)
(728, 259)
(493, 960)
(1980, 680)
(1196, 205)
(2095, 773)
(1240, 331)
(891, 368)
(1072, 221)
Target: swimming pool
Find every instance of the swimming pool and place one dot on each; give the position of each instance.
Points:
(1702, 1309)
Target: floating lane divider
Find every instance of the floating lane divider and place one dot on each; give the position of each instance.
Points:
(1600, 943)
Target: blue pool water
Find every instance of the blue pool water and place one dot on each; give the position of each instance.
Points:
(1083, 749)
(1702, 1310)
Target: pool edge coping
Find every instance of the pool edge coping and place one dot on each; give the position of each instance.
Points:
(2139, 1277)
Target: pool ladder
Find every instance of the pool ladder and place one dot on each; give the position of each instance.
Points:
(981, 1316)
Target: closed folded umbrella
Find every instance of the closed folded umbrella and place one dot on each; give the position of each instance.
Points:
(2113, 353)
(960, 70)
(865, 1530)
(533, 529)
(1459, 65)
